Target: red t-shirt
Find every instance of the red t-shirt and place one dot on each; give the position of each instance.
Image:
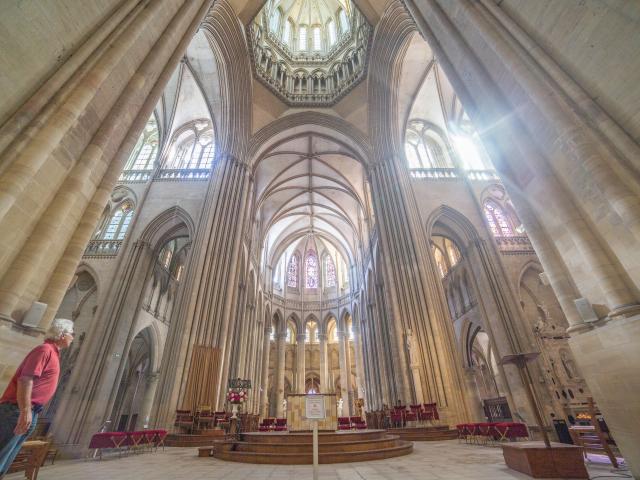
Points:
(43, 364)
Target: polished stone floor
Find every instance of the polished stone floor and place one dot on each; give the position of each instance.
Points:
(429, 461)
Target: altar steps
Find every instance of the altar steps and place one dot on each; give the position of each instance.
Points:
(297, 448)
(425, 434)
(200, 439)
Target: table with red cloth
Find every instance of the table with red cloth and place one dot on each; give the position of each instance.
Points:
(119, 440)
(492, 431)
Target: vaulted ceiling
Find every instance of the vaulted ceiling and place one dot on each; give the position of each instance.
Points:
(310, 184)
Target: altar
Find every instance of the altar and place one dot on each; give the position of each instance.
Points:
(296, 409)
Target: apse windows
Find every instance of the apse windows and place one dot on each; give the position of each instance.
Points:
(425, 147)
(311, 270)
(292, 272)
(119, 222)
(317, 39)
(331, 29)
(497, 220)
(330, 272)
(302, 38)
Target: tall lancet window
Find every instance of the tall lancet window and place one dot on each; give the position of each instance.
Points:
(497, 220)
(330, 272)
(292, 272)
(311, 270)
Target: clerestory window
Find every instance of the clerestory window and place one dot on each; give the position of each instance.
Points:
(302, 38)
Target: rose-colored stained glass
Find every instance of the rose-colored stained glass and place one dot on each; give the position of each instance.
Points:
(497, 220)
(311, 270)
(292, 272)
(330, 271)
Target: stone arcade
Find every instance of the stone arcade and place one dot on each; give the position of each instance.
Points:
(373, 200)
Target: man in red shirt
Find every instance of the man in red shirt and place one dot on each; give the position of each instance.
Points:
(31, 387)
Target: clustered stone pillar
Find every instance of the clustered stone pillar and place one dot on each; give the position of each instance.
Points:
(264, 387)
(282, 346)
(414, 300)
(149, 395)
(300, 363)
(345, 377)
(324, 372)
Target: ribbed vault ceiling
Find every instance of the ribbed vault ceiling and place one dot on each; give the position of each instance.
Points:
(309, 184)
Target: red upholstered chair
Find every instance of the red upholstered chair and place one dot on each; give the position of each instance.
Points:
(462, 432)
(397, 419)
(431, 412)
(344, 423)
(184, 420)
(410, 416)
(358, 423)
(281, 425)
(267, 425)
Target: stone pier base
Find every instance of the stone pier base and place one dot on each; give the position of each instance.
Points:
(609, 360)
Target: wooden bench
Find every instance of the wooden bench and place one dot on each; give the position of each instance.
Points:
(30, 458)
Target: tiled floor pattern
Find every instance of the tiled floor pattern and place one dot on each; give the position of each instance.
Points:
(429, 461)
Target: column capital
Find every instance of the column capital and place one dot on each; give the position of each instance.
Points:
(322, 337)
(301, 337)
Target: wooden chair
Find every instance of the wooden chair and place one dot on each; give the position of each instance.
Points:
(205, 418)
(591, 437)
(30, 458)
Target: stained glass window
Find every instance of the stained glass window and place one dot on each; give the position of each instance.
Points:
(119, 223)
(330, 272)
(311, 270)
(292, 272)
(497, 220)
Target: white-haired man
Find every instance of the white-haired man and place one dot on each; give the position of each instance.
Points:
(31, 387)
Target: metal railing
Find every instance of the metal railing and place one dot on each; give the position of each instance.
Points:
(179, 174)
(102, 248)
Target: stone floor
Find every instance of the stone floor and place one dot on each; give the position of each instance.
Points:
(430, 460)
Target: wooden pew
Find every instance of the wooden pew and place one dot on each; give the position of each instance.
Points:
(30, 458)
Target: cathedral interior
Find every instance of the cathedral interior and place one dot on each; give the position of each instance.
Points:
(379, 201)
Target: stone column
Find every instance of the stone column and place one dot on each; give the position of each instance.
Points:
(149, 395)
(282, 348)
(300, 367)
(359, 359)
(344, 372)
(475, 401)
(266, 348)
(324, 373)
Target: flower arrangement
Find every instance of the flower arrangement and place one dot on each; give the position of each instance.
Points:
(237, 395)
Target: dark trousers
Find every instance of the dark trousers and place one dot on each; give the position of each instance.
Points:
(10, 443)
